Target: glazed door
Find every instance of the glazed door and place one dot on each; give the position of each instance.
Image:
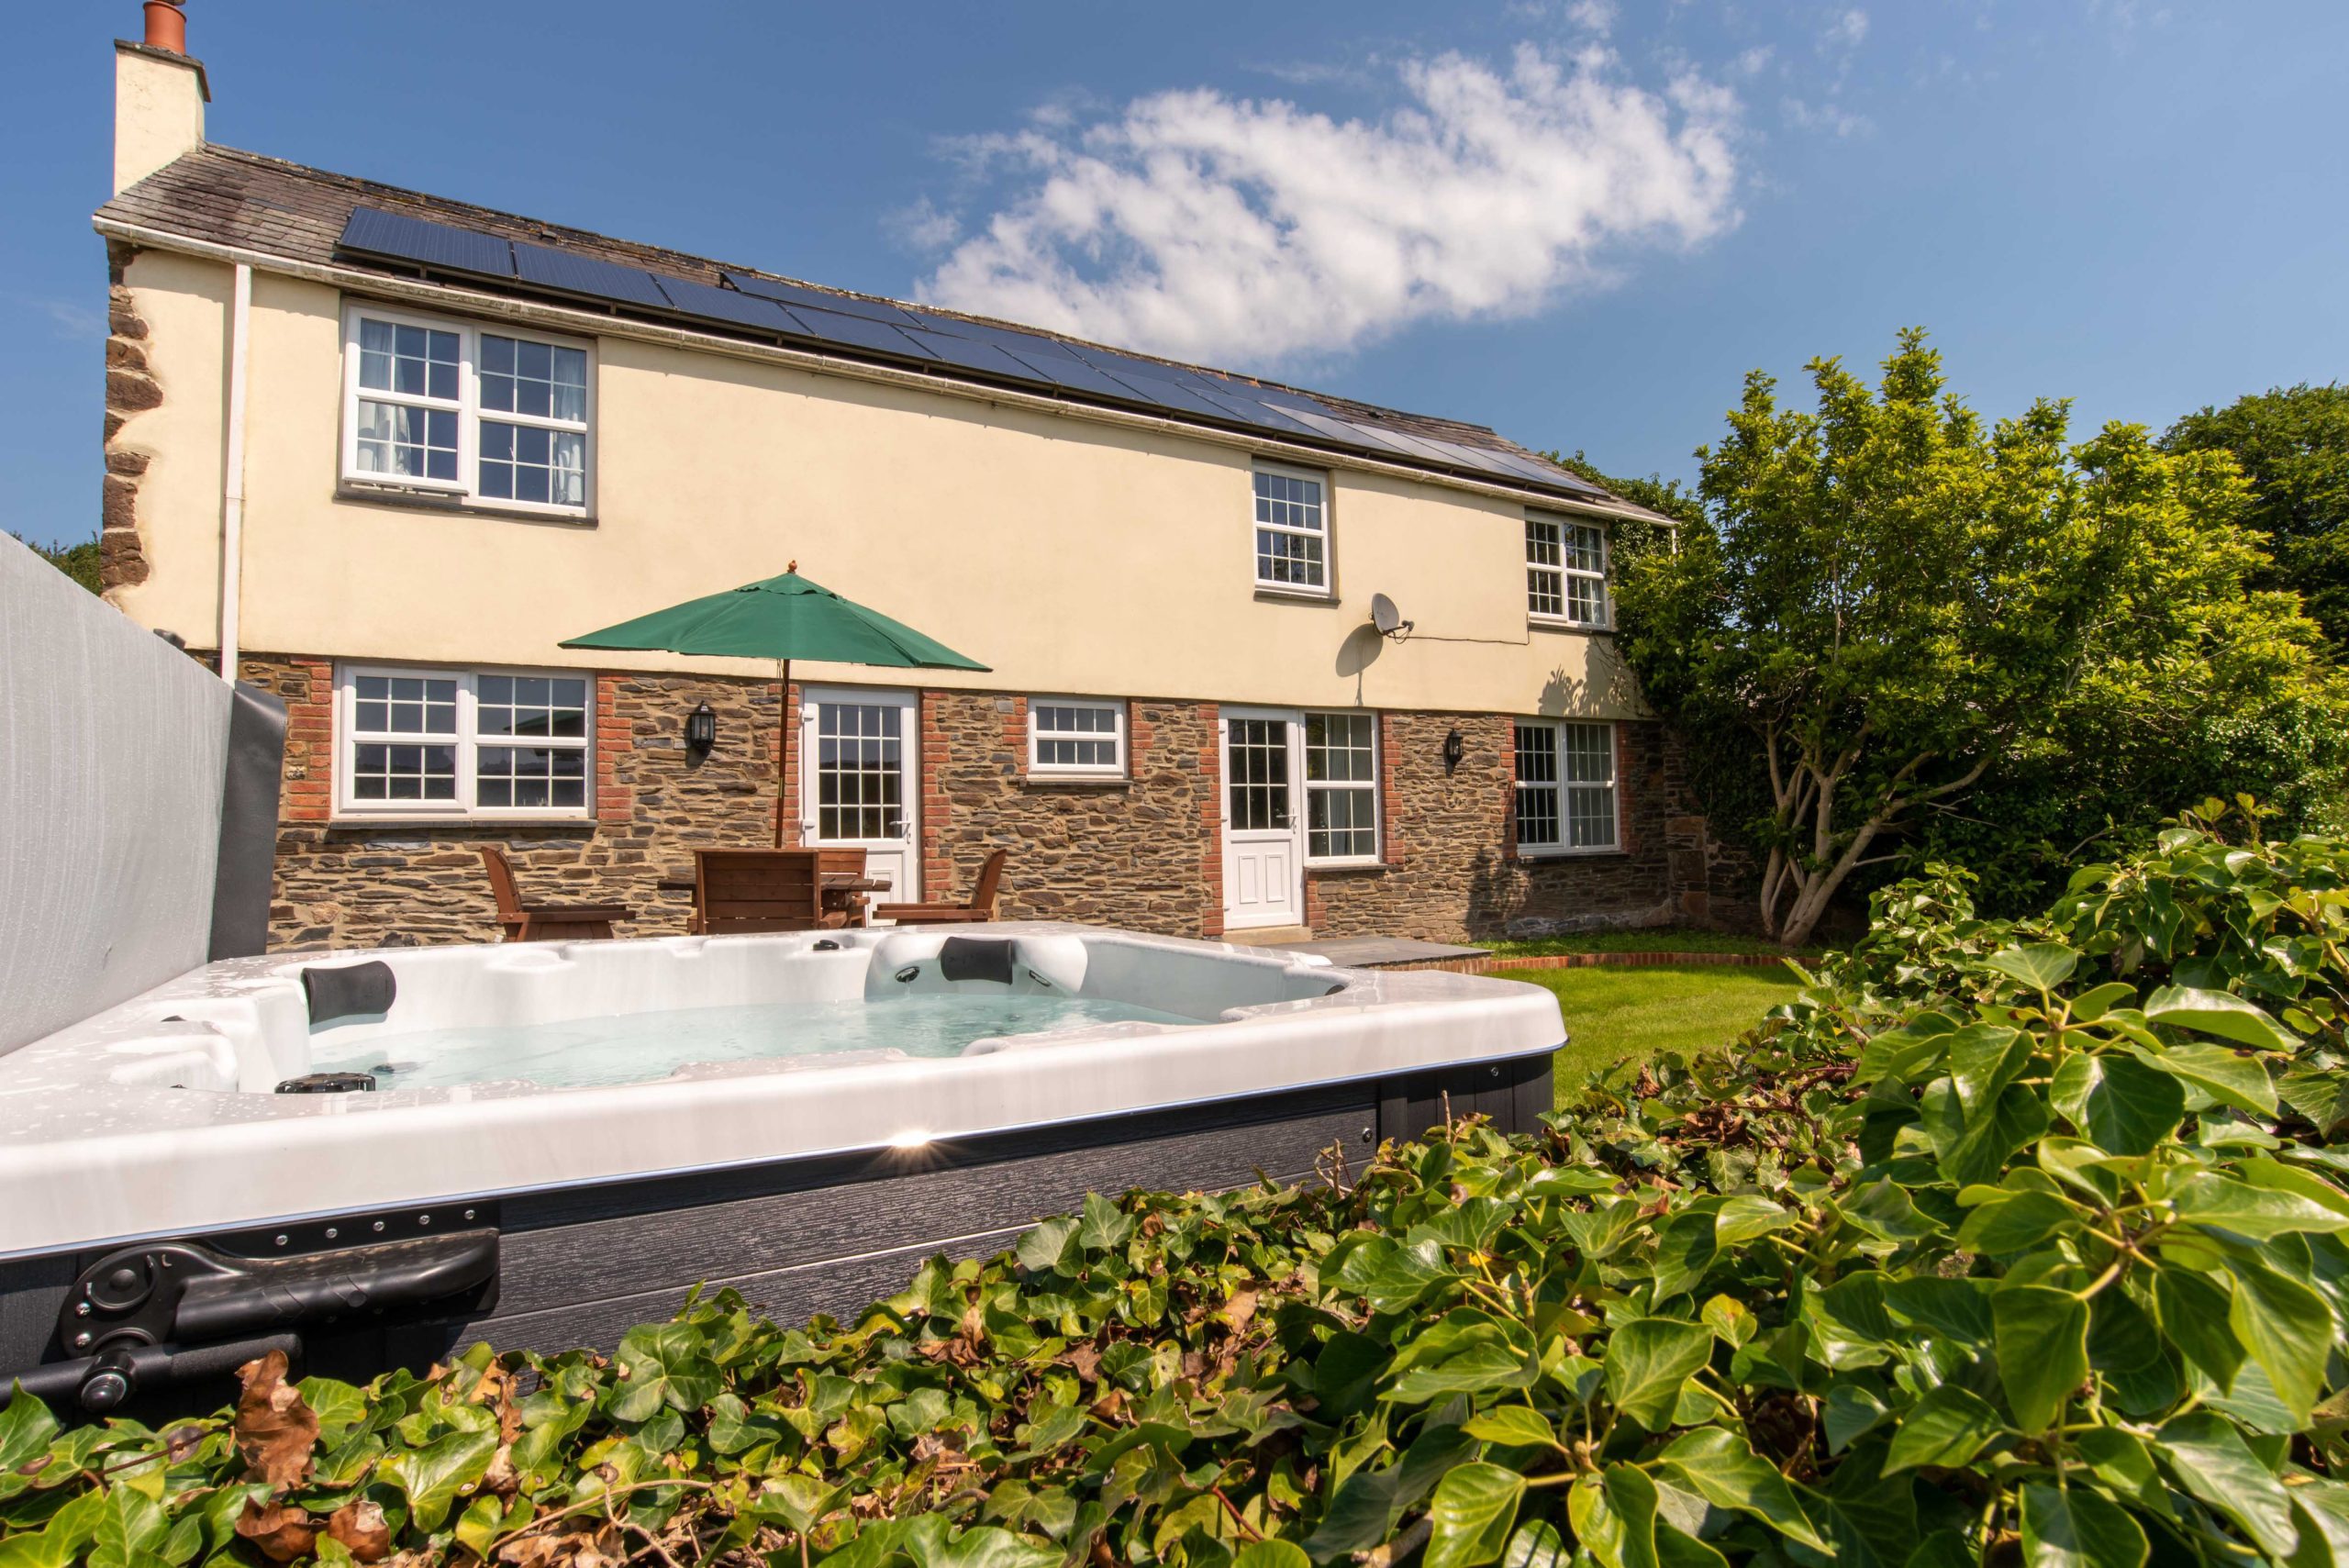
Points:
(1263, 838)
(857, 784)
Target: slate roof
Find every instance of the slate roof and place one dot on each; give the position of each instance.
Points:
(246, 200)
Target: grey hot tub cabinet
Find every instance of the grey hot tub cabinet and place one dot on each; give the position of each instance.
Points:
(580, 1266)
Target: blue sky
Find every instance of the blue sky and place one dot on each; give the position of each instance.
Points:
(1578, 222)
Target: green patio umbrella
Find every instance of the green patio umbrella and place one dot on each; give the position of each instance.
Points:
(783, 618)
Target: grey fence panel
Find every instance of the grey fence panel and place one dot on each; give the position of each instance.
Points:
(113, 747)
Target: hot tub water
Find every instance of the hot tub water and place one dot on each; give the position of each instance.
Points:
(633, 1048)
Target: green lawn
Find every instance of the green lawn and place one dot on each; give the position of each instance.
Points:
(1655, 939)
(1627, 1015)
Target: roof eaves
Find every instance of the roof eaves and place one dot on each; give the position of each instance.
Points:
(167, 199)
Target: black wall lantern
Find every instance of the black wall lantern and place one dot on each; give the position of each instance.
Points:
(1453, 750)
(701, 730)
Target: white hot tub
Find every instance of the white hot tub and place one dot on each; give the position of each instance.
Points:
(803, 1116)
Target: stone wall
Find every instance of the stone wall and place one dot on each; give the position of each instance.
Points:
(1142, 852)
(399, 886)
(131, 388)
(1450, 870)
(1125, 853)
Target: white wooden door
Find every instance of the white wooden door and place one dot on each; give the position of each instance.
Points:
(1263, 833)
(857, 783)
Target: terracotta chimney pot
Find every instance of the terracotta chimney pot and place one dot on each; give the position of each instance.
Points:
(166, 26)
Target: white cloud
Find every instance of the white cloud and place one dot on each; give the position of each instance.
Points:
(1595, 16)
(923, 226)
(1847, 29)
(1254, 232)
(1829, 116)
(66, 318)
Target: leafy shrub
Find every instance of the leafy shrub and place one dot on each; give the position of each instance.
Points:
(2007, 1242)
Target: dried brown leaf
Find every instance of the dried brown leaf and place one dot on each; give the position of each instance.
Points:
(275, 1428)
(360, 1528)
(495, 1390)
(279, 1531)
(581, 1546)
(500, 1479)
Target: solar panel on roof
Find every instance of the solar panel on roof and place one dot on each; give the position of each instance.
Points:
(1285, 397)
(586, 275)
(1481, 459)
(724, 305)
(1248, 411)
(1410, 444)
(971, 354)
(1350, 434)
(840, 304)
(380, 233)
(1181, 399)
(857, 332)
(1127, 368)
(1027, 345)
(1547, 474)
(1073, 375)
(1162, 385)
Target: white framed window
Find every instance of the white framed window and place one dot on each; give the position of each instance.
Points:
(1292, 531)
(1565, 571)
(1566, 799)
(463, 743)
(1341, 789)
(500, 415)
(1077, 737)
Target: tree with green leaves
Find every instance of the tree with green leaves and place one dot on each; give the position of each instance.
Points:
(1893, 598)
(79, 562)
(2292, 443)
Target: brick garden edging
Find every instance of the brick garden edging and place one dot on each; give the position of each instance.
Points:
(1489, 965)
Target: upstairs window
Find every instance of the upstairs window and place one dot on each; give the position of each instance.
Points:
(1566, 571)
(1292, 532)
(1076, 739)
(461, 743)
(1566, 788)
(478, 414)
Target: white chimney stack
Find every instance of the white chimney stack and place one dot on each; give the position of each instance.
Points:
(158, 97)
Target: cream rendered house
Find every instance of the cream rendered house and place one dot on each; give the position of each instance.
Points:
(381, 452)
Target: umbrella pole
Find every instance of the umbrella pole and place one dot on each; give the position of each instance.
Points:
(783, 751)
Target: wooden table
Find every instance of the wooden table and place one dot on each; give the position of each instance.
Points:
(841, 891)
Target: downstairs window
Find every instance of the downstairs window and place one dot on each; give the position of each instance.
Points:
(1566, 800)
(461, 743)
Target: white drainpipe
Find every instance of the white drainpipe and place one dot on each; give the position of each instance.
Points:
(232, 496)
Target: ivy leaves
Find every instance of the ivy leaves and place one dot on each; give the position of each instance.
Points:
(2003, 1243)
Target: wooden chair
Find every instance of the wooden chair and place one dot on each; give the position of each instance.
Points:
(980, 907)
(544, 922)
(760, 890)
(849, 863)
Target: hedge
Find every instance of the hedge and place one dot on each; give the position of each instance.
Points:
(2005, 1242)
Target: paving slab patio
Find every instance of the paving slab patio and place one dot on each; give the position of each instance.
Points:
(1375, 952)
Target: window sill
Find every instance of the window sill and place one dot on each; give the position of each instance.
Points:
(1295, 596)
(1348, 868)
(455, 505)
(340, 822)
(1612, 852)
(1559, 623)
(1076, 781)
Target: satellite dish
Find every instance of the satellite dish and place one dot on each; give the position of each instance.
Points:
(1386, 616)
